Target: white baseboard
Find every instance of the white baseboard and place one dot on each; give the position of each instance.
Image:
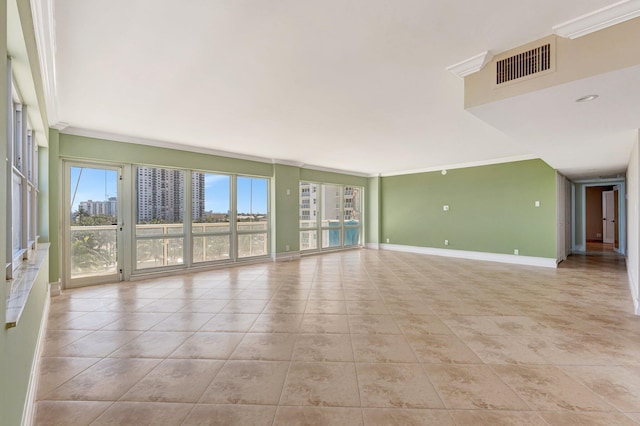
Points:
(55, 289)
(372, 246)
(475, 255)
(29, 413)
(286, 257)
(633, 287)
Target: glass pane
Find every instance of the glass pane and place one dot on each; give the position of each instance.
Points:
(93, 251)
(331, 197)
(94, 218)
(331, 237)
(308, 205)
(94, 199)
(17, 139)
(252, 245)
(160, 201)
(16, 213)
(208, 248)
(308, 240)
(210, 202)
(351, 236)
(352, 205)
(252, 196)
(33, 212)
(158, 252)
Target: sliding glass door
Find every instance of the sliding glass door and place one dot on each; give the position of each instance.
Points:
(330, 216)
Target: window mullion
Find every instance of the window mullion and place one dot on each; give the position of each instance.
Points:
(9, 175)
(233, 217)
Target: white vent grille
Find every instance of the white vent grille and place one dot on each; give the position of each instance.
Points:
(524, 64)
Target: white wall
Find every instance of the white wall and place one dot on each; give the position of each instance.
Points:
(633, 223)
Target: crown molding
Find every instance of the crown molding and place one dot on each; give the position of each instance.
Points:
(64, 128)
(332, 170)
(45, 32)
(287, 162)
(599, 19)
(97, 134)
(471, 65)
(461, 165)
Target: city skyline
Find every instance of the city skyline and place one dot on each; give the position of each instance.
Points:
(98, 184)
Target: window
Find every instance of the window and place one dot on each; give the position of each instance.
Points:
(159, 217)
(252, 219)
(22, 181)
(210, 208)
(227, 217)
(340, 223)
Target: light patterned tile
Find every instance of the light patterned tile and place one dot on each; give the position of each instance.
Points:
(144, 413)
(331, 384)
(396, 385)
(406, 417)
(68, 413)
(175, 380)
(248, 382)
(230, 415)
(319, 416)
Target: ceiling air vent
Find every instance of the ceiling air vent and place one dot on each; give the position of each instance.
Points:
(524, 64)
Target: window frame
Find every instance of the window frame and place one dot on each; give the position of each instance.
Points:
(21, 180)
(317, 192)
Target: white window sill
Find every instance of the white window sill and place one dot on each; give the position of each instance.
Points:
(19, 287)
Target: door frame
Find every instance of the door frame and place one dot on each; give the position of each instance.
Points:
(65, 223)
(580, 246)
(606, 238)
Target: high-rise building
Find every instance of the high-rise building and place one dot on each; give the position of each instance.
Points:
(100, 208)
(331, 202)
(161, 195)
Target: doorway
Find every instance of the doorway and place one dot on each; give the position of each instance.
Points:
(92, 223)
(601, 219)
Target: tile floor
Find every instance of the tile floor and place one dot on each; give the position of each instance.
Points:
(358, 337)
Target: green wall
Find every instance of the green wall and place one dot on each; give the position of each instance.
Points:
(285, 195)
(54, 205)
(18, 344)
(80, 147)
(372, 210)
(491, 209)
(310, 175)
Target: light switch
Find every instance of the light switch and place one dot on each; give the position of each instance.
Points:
(537, 203)
(445, 208)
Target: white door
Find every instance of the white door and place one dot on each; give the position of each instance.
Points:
(608, 218)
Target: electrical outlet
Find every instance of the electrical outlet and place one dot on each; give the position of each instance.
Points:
(445, 208)
(446, 242)
(537, 203)
(286, 248)
(387, 241)
(516, 252)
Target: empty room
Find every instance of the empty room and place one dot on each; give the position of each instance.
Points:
(320, 213)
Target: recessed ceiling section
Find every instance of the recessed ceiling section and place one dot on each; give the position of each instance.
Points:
(574, 137)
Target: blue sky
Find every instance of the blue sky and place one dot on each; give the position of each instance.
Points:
(99, 184)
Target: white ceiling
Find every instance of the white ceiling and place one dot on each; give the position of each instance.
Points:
(357, 85)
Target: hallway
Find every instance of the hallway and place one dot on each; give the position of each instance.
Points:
(358, 337)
